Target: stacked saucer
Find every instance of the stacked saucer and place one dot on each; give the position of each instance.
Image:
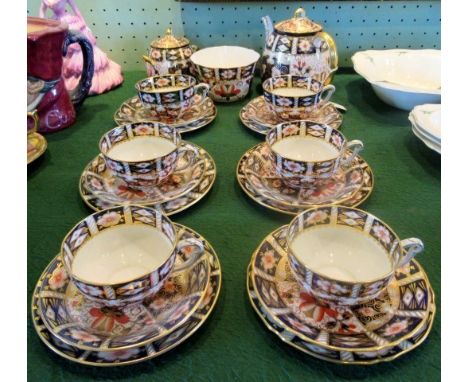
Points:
(291, 98)
(281, 175)
(309, 296)
(95, 308)
(174, 100)
(147, 163)
(425, 120)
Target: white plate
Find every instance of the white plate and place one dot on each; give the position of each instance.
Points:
(397, 78)
(428, 143)
(427, 118)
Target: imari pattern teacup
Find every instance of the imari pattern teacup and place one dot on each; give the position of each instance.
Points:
(344, 255)
(147, 171)
(124, 254)
(172, 94)
(295, 97)
(303, 151)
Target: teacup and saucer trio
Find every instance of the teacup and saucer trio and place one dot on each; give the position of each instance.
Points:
(291, 98)
(127, 286)
(173, 99)
(337, 283)
(147, 163)
(303, 164)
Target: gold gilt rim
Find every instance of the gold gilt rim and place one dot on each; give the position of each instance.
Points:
(179, 126)
(247, 124)
(42, 147)
(431, 306)
(149, 204)
(300, 209)
(148, 357)
(176, 211)
(137, 344)
(340, 362)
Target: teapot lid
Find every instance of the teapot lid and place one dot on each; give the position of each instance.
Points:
(169, 41)
(298, 24)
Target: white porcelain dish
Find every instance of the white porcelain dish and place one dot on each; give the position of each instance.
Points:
(427, 118)
(402, 78)
(433, 146)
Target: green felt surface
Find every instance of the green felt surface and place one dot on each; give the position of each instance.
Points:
(233, 345)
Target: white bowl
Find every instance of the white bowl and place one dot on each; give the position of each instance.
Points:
(402, 78)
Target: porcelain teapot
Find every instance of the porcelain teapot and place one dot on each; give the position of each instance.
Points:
(169, 55)
(298, 46)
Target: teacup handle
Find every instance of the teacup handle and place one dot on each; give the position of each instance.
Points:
(193, 155)
(200, 248)
(202, 89)
(328, 90)
(356, 146)
(411, 247)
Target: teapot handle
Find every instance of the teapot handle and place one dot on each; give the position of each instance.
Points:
(333, 59)
(78, 94)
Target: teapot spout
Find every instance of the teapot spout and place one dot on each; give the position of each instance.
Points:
(268, 25)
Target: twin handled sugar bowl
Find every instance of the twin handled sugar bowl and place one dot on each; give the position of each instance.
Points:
(169, 55)
(298, 46)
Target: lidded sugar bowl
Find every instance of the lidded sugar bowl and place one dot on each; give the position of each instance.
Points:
(169, 55)
(298, 46)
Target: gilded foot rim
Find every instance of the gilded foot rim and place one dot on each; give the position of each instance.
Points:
(195, 118)
(97, 203)
(275, 199)
(150, 350)
(259, 118)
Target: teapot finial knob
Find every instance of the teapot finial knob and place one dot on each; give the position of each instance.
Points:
(300, 12)
(169, 31)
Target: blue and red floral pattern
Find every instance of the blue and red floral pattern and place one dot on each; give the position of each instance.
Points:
(400, 311)
(337, 291)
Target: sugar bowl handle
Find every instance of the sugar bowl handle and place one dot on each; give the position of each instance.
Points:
(194, 245)
(411, 247)
(356, 146)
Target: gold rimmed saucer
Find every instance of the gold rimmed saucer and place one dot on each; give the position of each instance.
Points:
(259, 118)
(384, 326)
(97, 169)
(137, 353)
(37, 145)
(345, 358)
(195, 118)
(273, 194)
(112, 189)
(89, 325)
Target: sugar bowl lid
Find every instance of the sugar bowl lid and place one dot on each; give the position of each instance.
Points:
(170, 41)
(298, 24)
